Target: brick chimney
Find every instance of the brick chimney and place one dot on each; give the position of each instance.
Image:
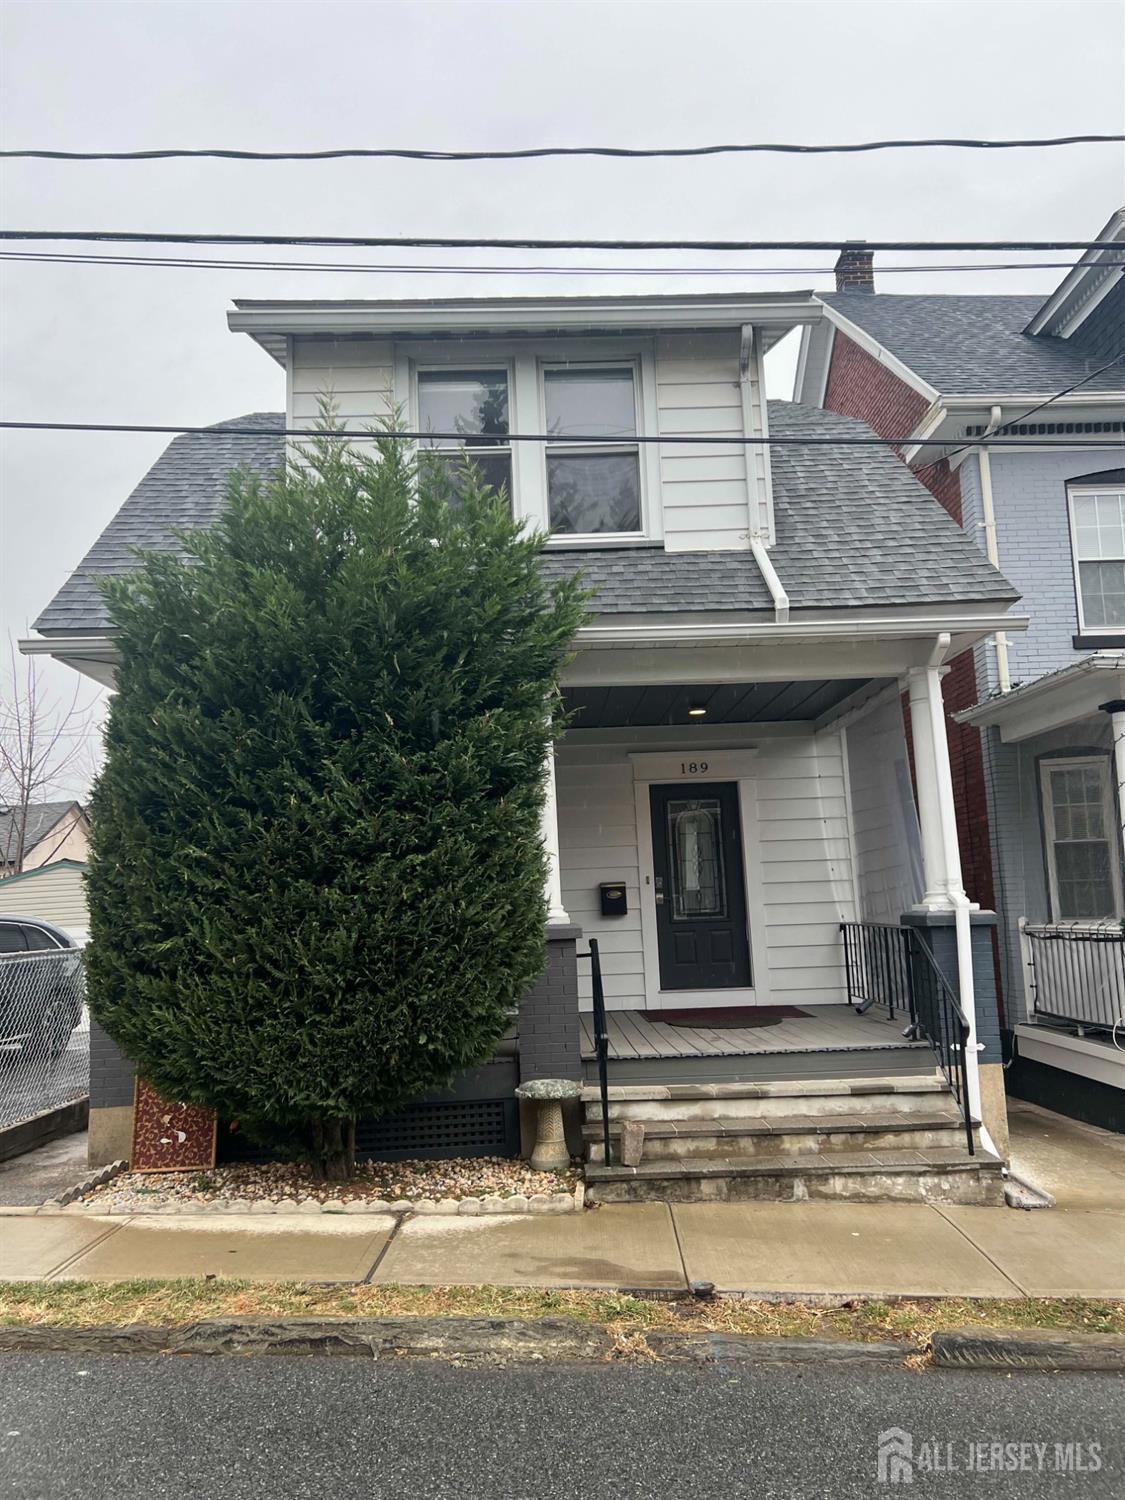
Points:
(855, 268)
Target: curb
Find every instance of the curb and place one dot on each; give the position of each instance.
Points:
(517, 1203)
(88, 1183)
(1027, 1349)
(464, 1340)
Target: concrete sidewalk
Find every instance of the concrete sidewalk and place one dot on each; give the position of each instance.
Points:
(781, 1249)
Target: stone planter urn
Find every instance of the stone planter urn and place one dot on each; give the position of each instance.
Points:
(548, 1095)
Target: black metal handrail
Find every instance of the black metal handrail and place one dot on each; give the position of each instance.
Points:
(891, 967)
(601, 1037)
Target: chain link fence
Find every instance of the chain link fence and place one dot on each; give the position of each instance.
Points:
(44, 1033)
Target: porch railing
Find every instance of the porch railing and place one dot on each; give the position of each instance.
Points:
(1076, 973)
(891, 968)
(601, 1038)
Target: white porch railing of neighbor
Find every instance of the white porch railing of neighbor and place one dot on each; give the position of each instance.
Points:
(44, 1033)
(1075, 972)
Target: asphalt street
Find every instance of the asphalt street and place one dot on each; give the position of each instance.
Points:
(297, 1428)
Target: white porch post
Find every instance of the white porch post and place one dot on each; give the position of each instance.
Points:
(922, 684)
(941, 792)
(549, 832)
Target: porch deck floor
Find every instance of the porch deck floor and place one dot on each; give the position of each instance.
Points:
(826, 1028)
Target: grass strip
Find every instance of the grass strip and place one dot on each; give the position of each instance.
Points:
(88, 1304)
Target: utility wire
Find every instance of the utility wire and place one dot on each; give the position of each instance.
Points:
(532, 152)
(586, 439)
(448, 242)
(216, 263)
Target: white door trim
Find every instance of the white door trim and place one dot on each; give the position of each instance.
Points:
(721, 765)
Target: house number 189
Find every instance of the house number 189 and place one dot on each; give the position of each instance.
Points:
(693, 767)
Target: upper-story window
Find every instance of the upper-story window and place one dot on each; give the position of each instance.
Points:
(592, 489)
(471, 408)
(1097, 519)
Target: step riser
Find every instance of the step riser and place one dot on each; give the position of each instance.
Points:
(768, 1067)
(824, 1106)
(981, 1186)
(689, 1147)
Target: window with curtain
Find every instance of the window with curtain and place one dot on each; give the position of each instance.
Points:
(1098, 529)
(1083, 838)
(471, 408)
(592, 488)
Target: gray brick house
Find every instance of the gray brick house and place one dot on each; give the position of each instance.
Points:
(1038, 719)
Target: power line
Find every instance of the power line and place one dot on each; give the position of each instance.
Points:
(448, 242)
(586, 439)
(532, 152)
(215, 263)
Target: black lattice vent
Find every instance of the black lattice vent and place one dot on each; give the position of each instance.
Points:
(463, 1127)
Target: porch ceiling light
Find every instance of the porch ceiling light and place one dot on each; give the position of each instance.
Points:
(696, 710)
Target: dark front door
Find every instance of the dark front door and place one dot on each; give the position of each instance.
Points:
(700, 890)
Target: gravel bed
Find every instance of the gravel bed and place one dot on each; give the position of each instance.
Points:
(467, 1184)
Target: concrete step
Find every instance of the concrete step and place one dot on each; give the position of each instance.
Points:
(921, 1176)
(787, 1135)
(752, 1101)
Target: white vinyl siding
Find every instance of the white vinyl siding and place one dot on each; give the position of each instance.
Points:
(704, 488)
(888, 857)
(802, 861)
(358, 374)
(694, 495)
(56, 893)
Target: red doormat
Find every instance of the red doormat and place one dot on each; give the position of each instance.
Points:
(744, 1016)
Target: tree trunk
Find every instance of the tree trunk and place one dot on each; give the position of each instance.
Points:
(334, 1148)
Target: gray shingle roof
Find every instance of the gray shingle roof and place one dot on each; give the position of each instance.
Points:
(41, 818)
(854, 528)
(969, 345)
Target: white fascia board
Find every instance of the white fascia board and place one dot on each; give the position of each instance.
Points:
(928, 427)
(1089, 266)
(521, 316)
(814, 362)
(1008, 399)
(1101, 1061)
(826, 628)
(878, 351)
(1053, 701)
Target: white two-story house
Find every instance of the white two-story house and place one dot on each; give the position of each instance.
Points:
(731, 816)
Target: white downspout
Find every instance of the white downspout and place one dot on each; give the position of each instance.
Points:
(962, 907)
(990, 546)
(773, 582)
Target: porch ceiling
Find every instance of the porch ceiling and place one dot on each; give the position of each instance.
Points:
(598, 707)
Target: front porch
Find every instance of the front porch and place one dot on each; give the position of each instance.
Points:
(820, 1041)
(714, 832)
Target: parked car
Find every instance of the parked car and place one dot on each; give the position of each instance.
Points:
(40, 999)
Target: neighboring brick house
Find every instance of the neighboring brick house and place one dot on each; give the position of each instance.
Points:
(950, 367)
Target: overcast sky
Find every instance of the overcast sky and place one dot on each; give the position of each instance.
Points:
(107, 344)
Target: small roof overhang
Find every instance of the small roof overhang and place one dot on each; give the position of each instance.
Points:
(1054, 701)
(271, 324)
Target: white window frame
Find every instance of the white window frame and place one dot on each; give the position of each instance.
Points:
(1072, 492)
(526, 413)
(611, 445)
(1103, 765)
(466, 364)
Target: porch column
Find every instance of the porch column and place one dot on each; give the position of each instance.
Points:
(549, 832)
(923, 687)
